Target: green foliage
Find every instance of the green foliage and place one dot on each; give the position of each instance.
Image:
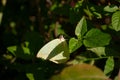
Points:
(81, 28)
(30, 76)
(116, 21)
(92, 33)
(20, 52)
(74, 44)
(96, 38)
(100, 51)
(111, 8)
(109, 66)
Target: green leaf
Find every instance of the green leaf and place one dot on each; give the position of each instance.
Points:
(12, 49)
(1, 15)
(96, 38)
(98, 50)
(97, 15)
(26, 50)
(74, 44)
(111, 8)
(81, 28)
(21, 51)
(88, 13)
(30, 76)
(116, 21)
(80, 72)
(109, 66)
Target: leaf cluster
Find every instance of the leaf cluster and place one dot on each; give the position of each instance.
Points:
(91, 29)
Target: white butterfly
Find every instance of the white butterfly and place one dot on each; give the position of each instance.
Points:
(55, 51)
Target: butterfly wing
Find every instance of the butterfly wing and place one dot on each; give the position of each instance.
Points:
(55, 51)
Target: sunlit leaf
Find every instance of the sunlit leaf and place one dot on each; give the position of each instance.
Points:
(80, 72)
(111, 8)
(88, 13)
(21, 51)
(98, 50)
(96, 38)
(26, 50)
(30, 76)
(12, 49)
(116, 21)
(81, 28)
(109, 66)
(74, 44)
(98, 15)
